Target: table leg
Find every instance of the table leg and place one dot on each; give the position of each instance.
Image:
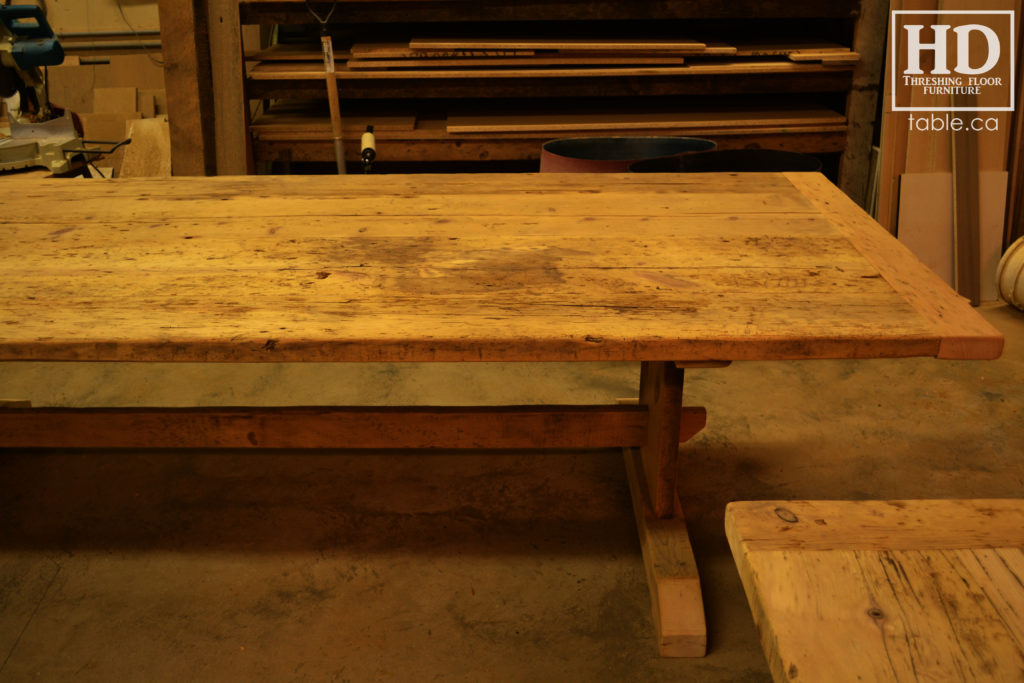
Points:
(661, 391)
(676, 604)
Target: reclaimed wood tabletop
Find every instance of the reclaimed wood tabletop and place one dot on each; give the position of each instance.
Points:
(510, 267)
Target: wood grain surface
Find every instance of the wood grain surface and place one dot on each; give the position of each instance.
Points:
(917, 590)
(469, 267)
(964, 333)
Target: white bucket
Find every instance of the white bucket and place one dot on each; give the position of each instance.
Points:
(1010, 275)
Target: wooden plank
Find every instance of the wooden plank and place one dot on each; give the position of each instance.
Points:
(325, 427)
(783, 47)
(294, 52)
(992, 208)
(814, 78)
(266, 71)
(603, 120)
(230, 108)
(404, 51)
(298, 124)
(877, 525)
(927, 151)
(966, 209)
(677, 606)
(462, 62)
(873, 590)
(611, 9)
(189, 91)
(523, 147)
(825, 57)
(964, 334)
(715, 49)
(149, 154)
(576, 44)
(291, 124)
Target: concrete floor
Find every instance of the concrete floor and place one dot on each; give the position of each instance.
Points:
(225, 566)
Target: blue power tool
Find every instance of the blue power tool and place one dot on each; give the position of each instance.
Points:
(27, 44)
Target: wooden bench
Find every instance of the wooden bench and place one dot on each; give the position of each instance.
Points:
(916, 590)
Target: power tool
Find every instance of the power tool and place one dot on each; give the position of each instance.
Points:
(40, 134)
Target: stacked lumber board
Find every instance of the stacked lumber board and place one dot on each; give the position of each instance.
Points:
(302, 131)
(694, 118)
(422, 58)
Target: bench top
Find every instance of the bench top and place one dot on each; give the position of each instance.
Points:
(511, 267)
(915, 590)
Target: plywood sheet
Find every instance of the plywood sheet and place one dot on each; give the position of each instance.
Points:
(926, 223)
(149, 154)
(107, 127)
(138, 71)
(926, 220)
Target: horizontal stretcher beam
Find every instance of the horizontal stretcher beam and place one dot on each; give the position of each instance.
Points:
(327, 427)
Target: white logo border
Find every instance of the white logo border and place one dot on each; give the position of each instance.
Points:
(936, 13)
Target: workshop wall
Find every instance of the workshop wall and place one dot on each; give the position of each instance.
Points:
(90, 16)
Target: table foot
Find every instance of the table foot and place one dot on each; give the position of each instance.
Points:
(677, 607)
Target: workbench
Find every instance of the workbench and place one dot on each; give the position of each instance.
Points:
(671, 270)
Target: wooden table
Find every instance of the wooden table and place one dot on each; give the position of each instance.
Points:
(911, 590)
(674, 271)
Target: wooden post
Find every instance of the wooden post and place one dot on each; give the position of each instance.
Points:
(868, 41)
(228, 76)
(677, 607)
(183, 33)
(1014, 227)
(661, 390)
